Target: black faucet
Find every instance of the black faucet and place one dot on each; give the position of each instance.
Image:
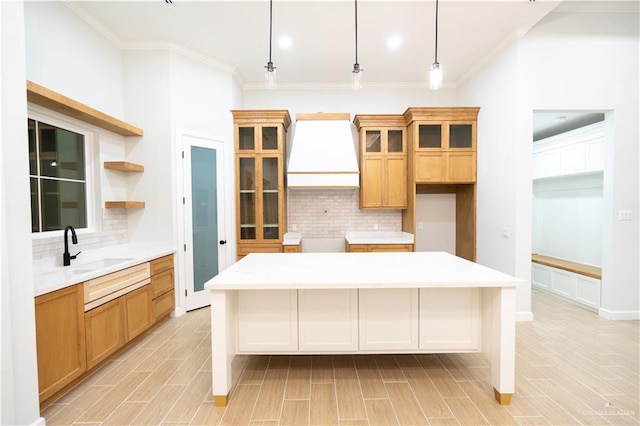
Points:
(66, 256)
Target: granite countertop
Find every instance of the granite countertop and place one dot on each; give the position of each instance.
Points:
(268, 271)
(379, 237)
(49, 275)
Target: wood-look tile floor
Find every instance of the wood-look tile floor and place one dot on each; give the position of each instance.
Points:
(572, 368)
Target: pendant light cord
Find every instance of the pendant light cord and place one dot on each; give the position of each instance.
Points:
(436, 58)
(356, 15)
(270, 26)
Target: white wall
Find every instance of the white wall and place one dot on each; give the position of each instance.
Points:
(595, 66)
(66, 55)
(18, 372)
(569, 61)
(364, 101)
(567, 218)
(495, 90)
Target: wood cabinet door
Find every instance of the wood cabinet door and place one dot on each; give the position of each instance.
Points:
(60, 339)
(430, 167)
(372, 182)
(396, 182)
(139, 316)
(461, 167)
(105, 330)
(163, 305)
(161, 283)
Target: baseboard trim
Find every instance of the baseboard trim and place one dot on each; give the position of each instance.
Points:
(524, 316)
(619, 315)
(178, 312)
(40, 421)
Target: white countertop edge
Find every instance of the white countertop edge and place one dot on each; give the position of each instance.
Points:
(378, 237)
(292, 239)
(356, 286)
(281, 271)
(49, 279)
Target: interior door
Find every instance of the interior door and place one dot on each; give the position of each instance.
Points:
(203, 216)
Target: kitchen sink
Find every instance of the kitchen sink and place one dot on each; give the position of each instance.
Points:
(99, 264)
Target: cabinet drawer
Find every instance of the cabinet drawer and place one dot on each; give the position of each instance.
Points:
(161, 283)
(163, 305)
(245, 249)
(161, 264)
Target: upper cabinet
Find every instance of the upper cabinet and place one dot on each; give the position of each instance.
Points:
(383, 161)
(443, 144)
(573, 152)
(260, 197)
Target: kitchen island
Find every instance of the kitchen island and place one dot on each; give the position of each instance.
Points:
(361, 303)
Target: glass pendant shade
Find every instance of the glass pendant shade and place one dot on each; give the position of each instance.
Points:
(356, 77)
(435, 76)
(270, 76)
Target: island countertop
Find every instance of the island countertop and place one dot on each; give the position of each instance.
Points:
(356, 270)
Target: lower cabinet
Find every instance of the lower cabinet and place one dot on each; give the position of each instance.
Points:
(162, 287)
(450, 319)
(60, 339)
(105, 328)
(139, 315)
(268, 320)
(388, 319)
(359, 320)
(70, 341)
(328, 320)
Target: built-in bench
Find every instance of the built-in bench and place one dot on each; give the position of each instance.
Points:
(575, 281)
(567, 265)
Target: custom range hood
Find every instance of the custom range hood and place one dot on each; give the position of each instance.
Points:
(323, 153)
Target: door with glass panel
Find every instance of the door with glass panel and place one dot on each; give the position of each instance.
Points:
(203, 216)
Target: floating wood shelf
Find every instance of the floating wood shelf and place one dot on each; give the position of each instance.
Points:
(47, 98)
(124, 204)
(123, 166)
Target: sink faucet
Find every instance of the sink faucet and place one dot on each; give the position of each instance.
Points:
(66, 256)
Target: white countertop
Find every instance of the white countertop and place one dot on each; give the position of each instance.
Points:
(291, 239)
(265, 271)
(49, 275)
(378, 237)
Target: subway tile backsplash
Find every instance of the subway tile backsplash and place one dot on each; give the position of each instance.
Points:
(331, 213)
(114, 232)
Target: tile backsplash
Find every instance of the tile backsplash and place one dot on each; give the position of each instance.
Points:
(114, 232)
(331, 213)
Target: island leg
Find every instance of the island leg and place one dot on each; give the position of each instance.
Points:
(223, 344)
(499, 340)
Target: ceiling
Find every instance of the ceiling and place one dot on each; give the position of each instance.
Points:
(235, 35)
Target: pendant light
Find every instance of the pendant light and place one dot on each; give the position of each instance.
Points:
(356, 74)
(435, 76)
(270, 69)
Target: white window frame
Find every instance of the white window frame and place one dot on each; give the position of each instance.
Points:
(91, 163)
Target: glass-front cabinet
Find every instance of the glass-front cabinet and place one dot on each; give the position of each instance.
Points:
(383, 158)
(260, 193)
(443, 143)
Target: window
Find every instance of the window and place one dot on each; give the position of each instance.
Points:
(57, 176)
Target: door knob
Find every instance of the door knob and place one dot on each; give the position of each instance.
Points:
(223, 242)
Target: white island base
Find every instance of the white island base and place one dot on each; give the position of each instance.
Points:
(362, 303)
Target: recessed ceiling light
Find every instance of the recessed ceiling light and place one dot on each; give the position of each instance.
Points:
(560, 118)
(285, 42)
(394, 42)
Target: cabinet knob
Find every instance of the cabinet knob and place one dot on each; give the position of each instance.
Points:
(223, 242)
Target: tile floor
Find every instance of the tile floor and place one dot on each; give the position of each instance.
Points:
(572, 367)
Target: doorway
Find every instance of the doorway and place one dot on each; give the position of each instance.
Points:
(204, 217)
